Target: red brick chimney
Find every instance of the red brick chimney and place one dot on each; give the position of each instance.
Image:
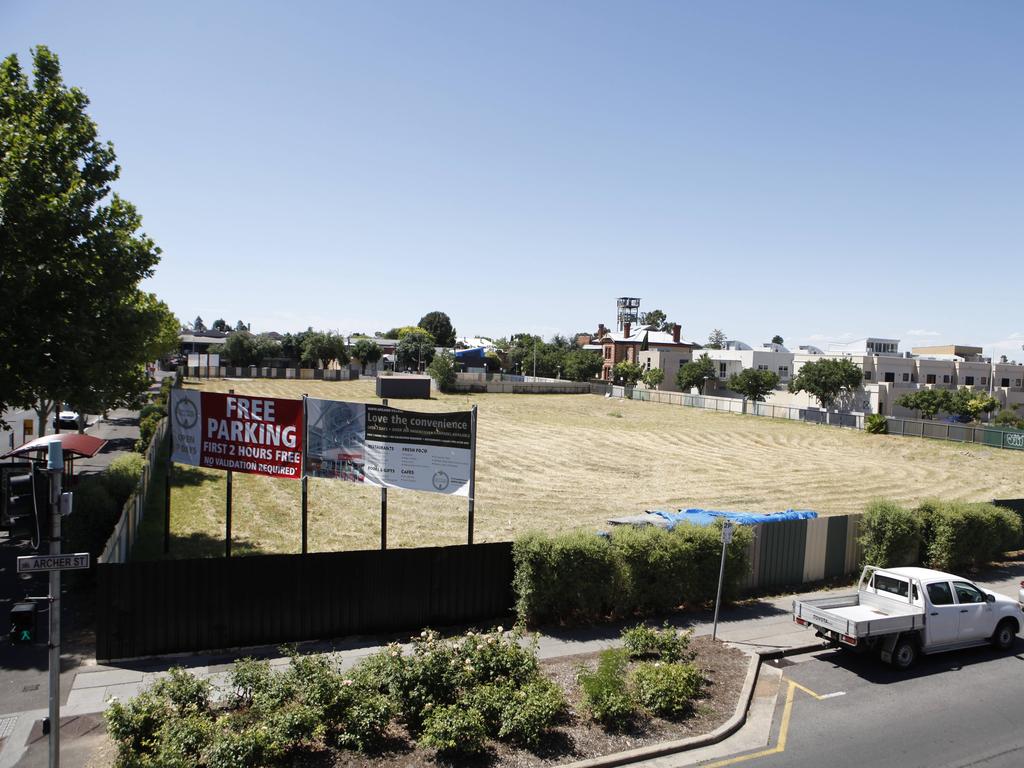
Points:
(625, 330)
(601, 331)
(675, 333)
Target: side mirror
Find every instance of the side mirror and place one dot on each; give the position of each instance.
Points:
(990, 598)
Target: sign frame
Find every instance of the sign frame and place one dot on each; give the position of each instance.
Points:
(75, 561)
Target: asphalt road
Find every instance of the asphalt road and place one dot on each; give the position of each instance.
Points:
(952, 710)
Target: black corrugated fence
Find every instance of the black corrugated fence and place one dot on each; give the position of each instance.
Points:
(173, 606)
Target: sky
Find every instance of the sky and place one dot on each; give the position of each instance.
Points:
(818, 170)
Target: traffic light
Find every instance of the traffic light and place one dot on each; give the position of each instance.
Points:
(23, 624)
(26, 503)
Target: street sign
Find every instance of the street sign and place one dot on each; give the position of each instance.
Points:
(70, 562)
(727, 530)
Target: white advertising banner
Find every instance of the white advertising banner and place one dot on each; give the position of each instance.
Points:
(388, 447)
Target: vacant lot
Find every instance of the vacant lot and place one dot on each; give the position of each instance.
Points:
(557, 462)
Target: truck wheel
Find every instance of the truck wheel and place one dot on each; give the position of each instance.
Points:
(1004, 635)
(904, 654)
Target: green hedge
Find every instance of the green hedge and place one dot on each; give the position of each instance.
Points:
(580, 577)
(941, 534)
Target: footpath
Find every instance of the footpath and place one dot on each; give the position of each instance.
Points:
(762, 628)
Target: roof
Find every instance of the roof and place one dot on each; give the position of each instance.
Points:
(72, 443)
(656, 338)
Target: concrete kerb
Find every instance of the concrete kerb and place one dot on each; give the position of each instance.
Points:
(721, 733)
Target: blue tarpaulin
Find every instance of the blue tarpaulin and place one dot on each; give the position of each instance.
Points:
(709, 516)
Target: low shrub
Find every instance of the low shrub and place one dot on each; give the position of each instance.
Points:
(147, 428)
(968, 535)
(581, 577)
(531, 712)
(122, 477)
(890, 535)
(454, 729)
(876, 424)
(151, 408)
(667, 689)
(665, 644)
(606, 694)
(494, 657)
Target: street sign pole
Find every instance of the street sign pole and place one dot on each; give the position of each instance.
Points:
(55, 468)
(726, 538)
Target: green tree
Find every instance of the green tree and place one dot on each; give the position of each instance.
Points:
(968, 403)
(776, 339)
(629, 373)
(696, 374)
(415, 349)
(323, 347)
(927, 402)
(581, 365)
(827, 379)
(240, 349)
(658, 319)
(653, 378)
(442, 370)
(197, 324)
(439, 325)
(1008, 418)
(716, 339)
(753, 384)
(240, 326)
(220, 324)
(71, 251)
(366, 351)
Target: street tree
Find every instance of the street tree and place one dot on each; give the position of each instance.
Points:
(828, 380)
(581, 365)
(653, 378)
(927, 402)
(439, 325)
(323, 348)
(776, 339)
(753, 384)
(415, 349)
(628, 372)
(696, 373)
(71, 252)
(220, 324)
(717, 339)
(366, 351)
(197, 324)
(442, 370)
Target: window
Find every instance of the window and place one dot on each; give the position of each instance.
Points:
(945, 378)
(867, 375)
(721, 370)
(762, 367)
(607, 353)
(984, 381)
(891, 586)
(968, 593)
(1016, 382)
(890, 376)
(969, 381)
(682, 363)
(929, 378)
(28, 427)
(1005, 382)
(940, 593)
(906, 377)
(783, 370)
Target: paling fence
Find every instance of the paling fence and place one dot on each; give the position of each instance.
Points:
(258, 372)
(126, 529)
(174, 606)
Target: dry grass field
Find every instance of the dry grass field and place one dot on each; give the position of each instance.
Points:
(558, 462)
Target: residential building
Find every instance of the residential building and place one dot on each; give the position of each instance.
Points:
(627, 344)
(737, 356)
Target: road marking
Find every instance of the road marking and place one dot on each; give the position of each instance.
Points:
(787, 713)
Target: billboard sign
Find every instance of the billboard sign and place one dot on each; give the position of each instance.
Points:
(257, 435)
(388, 447)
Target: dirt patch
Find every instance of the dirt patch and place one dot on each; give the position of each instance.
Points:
(577, 738)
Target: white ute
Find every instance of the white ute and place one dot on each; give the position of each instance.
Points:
(906, 611)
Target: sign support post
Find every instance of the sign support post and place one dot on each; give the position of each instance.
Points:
(55, 468)
(384, 506)
(167, 488)
(227, 517)
(472, 471)
(305, 481)
(726, 538)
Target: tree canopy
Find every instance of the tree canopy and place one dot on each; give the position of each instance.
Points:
(439, 325)
(366, 351)
(827, 379)
(77, 327)
(776, 339)
(964, 402)
(653, 378)
(658, 319)
(628, 372)
(324, 348)
(696, 374)
(442, 370)
(415, 348)
(717, 339)
(581, 365)
(753, 384)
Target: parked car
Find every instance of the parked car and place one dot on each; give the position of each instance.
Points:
(66, 419)
(902, 612)
(1020, 596)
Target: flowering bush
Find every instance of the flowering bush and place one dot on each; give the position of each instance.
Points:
(667, 689)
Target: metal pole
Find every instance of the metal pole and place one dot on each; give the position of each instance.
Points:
(384, 506)
(227, 518)
(167, 489)
(305, 479)
(55, 468)
(472, 470)
(726, 537)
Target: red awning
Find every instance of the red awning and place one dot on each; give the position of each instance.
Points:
(74, 445)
